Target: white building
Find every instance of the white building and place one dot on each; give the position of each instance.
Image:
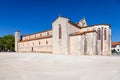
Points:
(67, 37)
(116, 46)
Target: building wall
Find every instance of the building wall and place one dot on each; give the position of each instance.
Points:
(117, 48)
(72, 29)
(75, 45)
(87, 29)
(60, 45)
(42, 45)
(17, 39)
(82, 44)
(37, 35)
(104, 46)
(91, 43)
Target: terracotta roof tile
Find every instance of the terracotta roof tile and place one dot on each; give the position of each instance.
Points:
(36, 38)
(36, 33)
(115, 43)
(80, 33)
(95, 25)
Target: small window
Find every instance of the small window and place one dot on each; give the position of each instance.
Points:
(46, 42)
(33, 44)
(47, 33)
(39, 43)
(40, 34)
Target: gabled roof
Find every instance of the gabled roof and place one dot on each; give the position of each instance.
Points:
(80, 33)
(59, 17)
(115, 44)
(72, 23)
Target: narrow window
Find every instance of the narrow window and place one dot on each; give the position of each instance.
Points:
(40, 35)
(105, 34)
(60, 31)
(39, 43)
(46, 42)
(98, 34)
(32, 48)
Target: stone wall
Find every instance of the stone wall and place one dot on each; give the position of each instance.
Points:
(91, 43)
(62, 39)
(103, 46)
(42, 45)
(73, 29)
(75, 45)
(17, 39)
(60, 45)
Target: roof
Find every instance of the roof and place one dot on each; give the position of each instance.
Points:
(80, 33)
(72, 23)
(36, 33)
(95, 25)
(115, 44)
(44, 37)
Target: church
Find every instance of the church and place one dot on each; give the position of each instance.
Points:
(67, 38)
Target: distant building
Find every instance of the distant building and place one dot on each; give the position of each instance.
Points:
(68, 38)
(116, 46)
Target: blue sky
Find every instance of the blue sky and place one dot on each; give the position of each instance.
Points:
(30, 16)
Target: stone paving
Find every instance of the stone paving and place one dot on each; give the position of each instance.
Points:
(33, 66)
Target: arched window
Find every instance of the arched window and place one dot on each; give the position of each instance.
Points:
(98, 34)
(60, 31)
(105, 34)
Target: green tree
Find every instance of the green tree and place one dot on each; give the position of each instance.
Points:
(114, 51)
(7, 43)
(1, 44)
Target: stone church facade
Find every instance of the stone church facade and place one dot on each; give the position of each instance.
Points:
(68, 38)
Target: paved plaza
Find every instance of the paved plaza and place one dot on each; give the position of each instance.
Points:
(34, 66)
